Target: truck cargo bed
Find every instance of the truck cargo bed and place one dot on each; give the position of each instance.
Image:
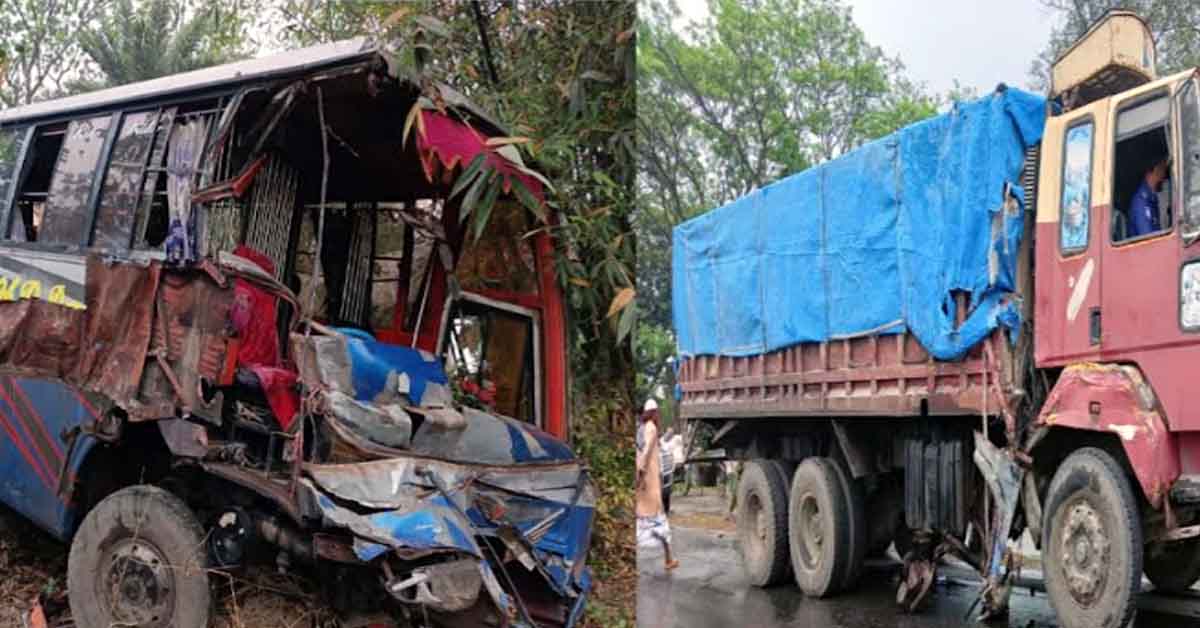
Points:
(877, 375)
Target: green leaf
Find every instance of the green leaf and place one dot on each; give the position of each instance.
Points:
(413, 114)
(511, 153)
(528, 199)
(625, 324)
(472, 196)
(468, 174)
(432, 25)
(484, 211)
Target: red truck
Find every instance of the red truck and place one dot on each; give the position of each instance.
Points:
(965, 331)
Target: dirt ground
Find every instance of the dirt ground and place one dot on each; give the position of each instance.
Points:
(33, 568)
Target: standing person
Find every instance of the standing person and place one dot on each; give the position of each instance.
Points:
(652, 523)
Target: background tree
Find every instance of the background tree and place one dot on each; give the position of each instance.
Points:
(41, 46)
(139, 40)
(757, 91)
(1174, 24)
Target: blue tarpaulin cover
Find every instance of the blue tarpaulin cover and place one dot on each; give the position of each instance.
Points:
(871, 242)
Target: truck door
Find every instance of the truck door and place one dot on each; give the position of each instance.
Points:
(1150, 311)
(1141, 249)
(1070, 225)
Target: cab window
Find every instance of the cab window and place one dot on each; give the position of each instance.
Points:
(1141, 171)
(1075, 203)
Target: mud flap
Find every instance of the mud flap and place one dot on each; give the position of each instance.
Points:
(1003, 476)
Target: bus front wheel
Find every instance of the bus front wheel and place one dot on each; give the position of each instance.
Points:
(139, 560)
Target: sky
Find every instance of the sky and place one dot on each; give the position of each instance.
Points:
(978, 42)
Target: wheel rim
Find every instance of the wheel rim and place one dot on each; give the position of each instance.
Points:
(811, 529)
(754, 523)
(1084, 552)
(137, 584)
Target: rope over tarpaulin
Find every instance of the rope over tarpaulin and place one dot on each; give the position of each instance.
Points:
(874, 241)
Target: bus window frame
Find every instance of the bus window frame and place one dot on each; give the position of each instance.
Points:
(535, 319)
(18, 178)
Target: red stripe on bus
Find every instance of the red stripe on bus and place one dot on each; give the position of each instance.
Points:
(42, 464)
(38, 418)
(12, 434)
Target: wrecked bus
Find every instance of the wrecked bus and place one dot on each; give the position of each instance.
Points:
(956, 333)
(242, 319)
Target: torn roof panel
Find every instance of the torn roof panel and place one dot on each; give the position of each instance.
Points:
(290, 62)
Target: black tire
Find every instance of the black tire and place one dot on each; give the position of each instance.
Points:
(1094, 532)
(762, 523)
(1173, 567)
(784, 470)
(818, 528)
(857, 521)
(143, 549)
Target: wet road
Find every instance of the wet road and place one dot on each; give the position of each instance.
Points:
(709, 590)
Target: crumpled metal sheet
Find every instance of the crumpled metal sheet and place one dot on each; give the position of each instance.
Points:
(101, 348)
(143, 341)
(387, 425)
(428, 524)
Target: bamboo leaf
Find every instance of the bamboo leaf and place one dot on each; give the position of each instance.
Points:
(413, 114)
(626, 322)
(395, 17)
(469, 200)
(468, 175)
(581, 282)
(623, 298)
(510, 152)
(432, 25)
(528, 199)
(484, 211)
(504, 141)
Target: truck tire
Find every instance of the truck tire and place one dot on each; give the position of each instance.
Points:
(762, 522)
(1092, 543)
(857, 522)
(1173, 567)
(139, 560)
(785, 469)
(818, 528)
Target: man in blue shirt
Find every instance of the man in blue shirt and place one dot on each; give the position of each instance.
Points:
(1143, 211)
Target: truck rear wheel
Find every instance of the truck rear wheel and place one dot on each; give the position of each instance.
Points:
(818, 527)
(762, 522)
(1092, 545)
(1173, 567)
(139, 560)
(856, 518)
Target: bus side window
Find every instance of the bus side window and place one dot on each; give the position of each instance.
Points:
(12, 144)
(66, 212)
(32, 183)
(119, 197)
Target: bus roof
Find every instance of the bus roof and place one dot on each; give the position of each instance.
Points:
(285, 63)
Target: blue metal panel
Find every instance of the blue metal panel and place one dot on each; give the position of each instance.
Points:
(34, 414)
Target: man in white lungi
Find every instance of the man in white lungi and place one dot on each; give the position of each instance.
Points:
(652, 526)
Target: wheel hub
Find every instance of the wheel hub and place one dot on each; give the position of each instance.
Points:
(137, 584)
(1084, 552)
(813, 531)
